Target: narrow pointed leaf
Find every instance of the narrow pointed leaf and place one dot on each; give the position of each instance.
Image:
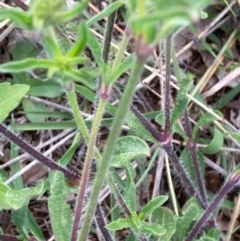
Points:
(152, 205)
(105, 13)
(60, 212)
(80, 43)
(19, 17)
(26, 65)
(120, 224)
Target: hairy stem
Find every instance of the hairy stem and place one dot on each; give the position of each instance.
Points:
(108, 36)
(87, 167)
(37, 155)
(101, 224)
(230, 184)
(181, 172)
(110, 145)
(193, 152)
(167, 95)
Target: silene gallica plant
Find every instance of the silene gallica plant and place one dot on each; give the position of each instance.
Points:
(64, 68)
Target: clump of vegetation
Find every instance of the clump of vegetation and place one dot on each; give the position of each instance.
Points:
(134, 109)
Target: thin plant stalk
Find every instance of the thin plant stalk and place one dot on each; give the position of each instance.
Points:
(110, 145)
(167, 88)
(104, 93)
(193, 152)
(108, 35)
(72, 100)
(81, 125)
(37, 155)
(229, 185)
(87, 165)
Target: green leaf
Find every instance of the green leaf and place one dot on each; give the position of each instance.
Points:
(120, 224)
(15, 199)
(205, 119)
(152, 205)
(188, 166)
(105, 12)
(96, 49)
(130, 187)
(128, 147)
(80, 43)
(122, 68)
(20, 219)
(25, 65)
(19, 17)
(60, 212)
(216, 143)
(137, 128)
(64, 160)
(50, 88)
(10, 97)
(33, 109)
(153, 229)
(165, 217)
(181, 100)
(190, 213)
(24, 49)
(34, 227)
(82, 76)
(85, 92)
(75, 12)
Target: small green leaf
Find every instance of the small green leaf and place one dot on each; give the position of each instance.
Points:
(138, 128)
(10, 97)
(19, 17)
(120, 224)
(25, 65)
(60, 212)
(152, 205)
(165, 217)
(190, 213)
(122, 68)
(76, 11)
(66, 158)
(181, 100)
(33, 109)
(85, 92)
(216, 143)
(105, 12)
(96, 49)
(15, 199)
(50, 88)
(130, 187)
(80, 43)
(82, 76)
(205, 119)
(128, 147)
(153, 229)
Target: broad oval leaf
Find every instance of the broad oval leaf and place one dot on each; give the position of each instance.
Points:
(10, 97)
(165, 217)
(129, 147)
